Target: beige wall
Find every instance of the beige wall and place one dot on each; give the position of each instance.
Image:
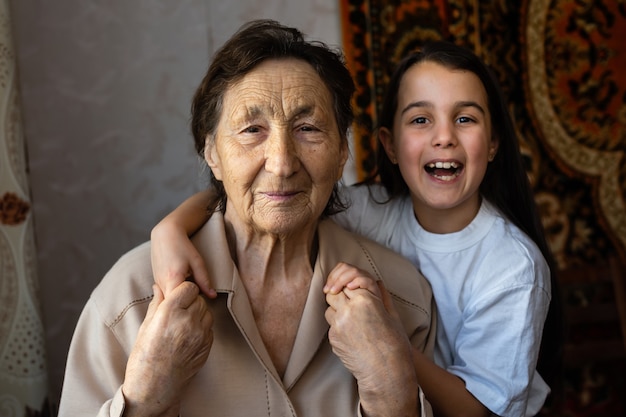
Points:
(105, 91)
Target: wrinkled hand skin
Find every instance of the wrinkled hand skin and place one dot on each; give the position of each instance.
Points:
(173, 343)
(366, 334)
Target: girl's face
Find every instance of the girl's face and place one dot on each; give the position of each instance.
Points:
(442, 142)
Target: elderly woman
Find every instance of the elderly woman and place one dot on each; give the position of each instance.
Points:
(271, 119)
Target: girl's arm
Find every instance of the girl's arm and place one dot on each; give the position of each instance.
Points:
(174, 258)
(446, 392)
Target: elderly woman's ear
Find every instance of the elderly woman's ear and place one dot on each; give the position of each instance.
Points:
(345, 153)
(212, 158)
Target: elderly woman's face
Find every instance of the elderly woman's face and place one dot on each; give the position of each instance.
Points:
(277, 148)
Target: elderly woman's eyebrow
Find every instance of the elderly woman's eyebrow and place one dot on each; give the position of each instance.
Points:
(304, 111)
(253, 111)
(299, 110)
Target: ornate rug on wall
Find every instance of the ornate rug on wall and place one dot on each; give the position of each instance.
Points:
(562, 66)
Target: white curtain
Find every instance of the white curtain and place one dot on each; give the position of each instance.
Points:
(23, 375)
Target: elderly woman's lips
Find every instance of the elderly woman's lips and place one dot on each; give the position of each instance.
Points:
(280, 195)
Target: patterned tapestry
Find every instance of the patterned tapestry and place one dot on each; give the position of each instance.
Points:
(23, 376)
(562, 67)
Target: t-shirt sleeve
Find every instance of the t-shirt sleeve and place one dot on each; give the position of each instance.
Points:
(366, 210)
(497, 346)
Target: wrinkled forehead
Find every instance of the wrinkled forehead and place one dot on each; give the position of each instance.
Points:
(284, 86)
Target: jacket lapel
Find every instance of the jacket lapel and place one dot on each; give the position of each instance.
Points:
(312, 330)
(335, 245)
(211, 242)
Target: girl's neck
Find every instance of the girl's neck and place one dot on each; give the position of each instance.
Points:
(446, 220)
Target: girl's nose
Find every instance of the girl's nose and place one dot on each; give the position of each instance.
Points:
(444, 136)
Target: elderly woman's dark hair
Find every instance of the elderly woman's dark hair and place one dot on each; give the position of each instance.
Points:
(254, 43)
(505, 184)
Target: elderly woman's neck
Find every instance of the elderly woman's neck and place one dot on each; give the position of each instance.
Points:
(276, 271)
(266, 255)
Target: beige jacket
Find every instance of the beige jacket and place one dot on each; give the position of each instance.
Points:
(239, 378)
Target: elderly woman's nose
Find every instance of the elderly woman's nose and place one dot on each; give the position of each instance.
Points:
(281, 156)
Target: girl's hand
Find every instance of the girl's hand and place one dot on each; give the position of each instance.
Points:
(350, 277)
(175, 259)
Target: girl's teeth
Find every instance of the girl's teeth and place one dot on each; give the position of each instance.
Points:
(444, 165)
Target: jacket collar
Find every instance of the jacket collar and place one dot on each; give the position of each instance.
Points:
(211, 242)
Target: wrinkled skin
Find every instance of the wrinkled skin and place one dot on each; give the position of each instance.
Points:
(367, 335)
(172, 345)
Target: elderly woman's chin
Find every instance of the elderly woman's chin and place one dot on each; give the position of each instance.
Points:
(283, 223)
(282, 218)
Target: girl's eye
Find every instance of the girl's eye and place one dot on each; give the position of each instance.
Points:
(419, 120)
(464, 119)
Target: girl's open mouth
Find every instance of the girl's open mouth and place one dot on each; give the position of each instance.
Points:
(445, 171)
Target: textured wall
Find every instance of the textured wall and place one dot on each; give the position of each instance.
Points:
(106, 88)
(23, 377)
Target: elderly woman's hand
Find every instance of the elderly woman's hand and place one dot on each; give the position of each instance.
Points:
(172, 345)
(367, 335)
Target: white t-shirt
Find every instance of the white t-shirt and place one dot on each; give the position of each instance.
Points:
(492, 289)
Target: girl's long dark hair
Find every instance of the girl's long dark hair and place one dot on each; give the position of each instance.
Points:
(505, 184)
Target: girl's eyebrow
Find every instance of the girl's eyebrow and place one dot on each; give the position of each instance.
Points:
(416, 104)
(461, 104)
(457, 105)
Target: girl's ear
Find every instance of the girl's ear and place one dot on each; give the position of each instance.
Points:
(212, 158)
(493, 148)
(386, 139)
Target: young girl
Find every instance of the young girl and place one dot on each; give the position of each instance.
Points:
(454, 199)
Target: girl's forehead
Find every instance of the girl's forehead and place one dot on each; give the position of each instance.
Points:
(429, 80)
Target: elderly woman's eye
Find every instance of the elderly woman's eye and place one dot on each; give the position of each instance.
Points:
(251, 129)
(307, 128)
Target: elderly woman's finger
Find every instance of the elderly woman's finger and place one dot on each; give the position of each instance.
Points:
(336, 301)
(157, 299)
(184, 295)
